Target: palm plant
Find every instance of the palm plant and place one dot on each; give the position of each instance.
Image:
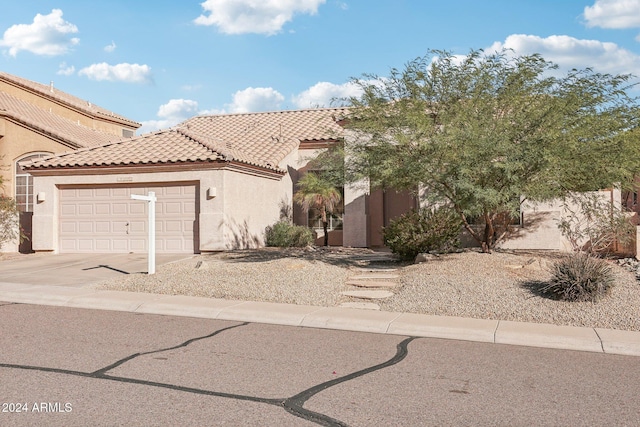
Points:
(316, 192)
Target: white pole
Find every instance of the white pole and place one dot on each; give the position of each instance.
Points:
(152, 232)
(151, 198)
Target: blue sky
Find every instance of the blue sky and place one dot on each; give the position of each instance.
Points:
(160, 62)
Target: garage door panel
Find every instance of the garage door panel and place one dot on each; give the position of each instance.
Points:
(119, 245)
(68, 227)
(137, 208)
(103, 209)
(105, 219)
(85, 227)
(85, 209)
(103, 245)
(103, 227)
(86, 245)
(173, 226)
(68, 209)
(173, 245)
(138, 245)
(172, 208)
(137, 227)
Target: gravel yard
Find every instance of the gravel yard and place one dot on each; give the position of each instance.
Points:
(467, 284)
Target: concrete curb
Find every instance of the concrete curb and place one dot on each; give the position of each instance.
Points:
(481, 330)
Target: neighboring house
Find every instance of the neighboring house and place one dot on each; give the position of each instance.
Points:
(37, 121)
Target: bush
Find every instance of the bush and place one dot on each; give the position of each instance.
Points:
(284, 234)
(9, 220)
(420, 231)
(581, 277)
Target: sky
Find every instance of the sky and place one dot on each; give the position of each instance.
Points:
(160, 62)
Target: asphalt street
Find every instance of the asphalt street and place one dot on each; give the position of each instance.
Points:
(77, 367)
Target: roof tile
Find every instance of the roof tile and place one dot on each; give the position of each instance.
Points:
(260, 139)
(58, 95)
(52, 124)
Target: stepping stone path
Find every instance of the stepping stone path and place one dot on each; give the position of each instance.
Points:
(372, 284)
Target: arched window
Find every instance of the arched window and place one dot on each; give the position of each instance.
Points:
(24, 183)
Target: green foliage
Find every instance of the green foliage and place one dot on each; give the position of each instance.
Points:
(581, 277)
(592, 224)
(284, 234)
(9, 220)
(484, 132)
(317, 192)
(421, 231)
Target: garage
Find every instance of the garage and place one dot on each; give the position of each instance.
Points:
(104, 219)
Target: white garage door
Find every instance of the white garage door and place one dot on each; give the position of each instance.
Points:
(104, 219)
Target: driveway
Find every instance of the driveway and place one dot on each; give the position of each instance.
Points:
(76, 270)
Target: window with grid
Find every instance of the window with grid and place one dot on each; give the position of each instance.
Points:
(24, 184)
(335, 219)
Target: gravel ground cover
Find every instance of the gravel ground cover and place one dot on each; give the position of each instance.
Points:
(498, 286)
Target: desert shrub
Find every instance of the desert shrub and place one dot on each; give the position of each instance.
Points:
(420, 231)
(580, 277)
(593, 224)
(9, 220)
(284, 234)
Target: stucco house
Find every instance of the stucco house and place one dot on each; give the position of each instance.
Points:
(220, 181)
(38, 120)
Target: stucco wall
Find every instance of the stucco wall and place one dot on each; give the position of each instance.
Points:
(210, 182)
(251, 203)
(17, 142)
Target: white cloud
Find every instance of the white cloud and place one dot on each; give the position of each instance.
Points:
(110, 47)
(569, 52)
(179, 109)
(255, 99)
(66, 70)
(170, 114)
(48, 35)
(325, 94)
(129, 73)
(613, 14)
(254, 16)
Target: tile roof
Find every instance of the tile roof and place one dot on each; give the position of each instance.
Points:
(269, 137)
(49, 91)
(162, 147)
(260, 139)
(70, 132)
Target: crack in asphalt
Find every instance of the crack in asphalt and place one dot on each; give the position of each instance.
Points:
(293, 405)
(184, 344)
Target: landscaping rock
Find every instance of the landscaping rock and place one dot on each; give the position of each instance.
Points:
(420, 258)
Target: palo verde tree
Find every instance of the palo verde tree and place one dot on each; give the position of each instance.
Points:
(318, 192)
(485, 132)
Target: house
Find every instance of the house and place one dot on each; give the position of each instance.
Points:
(220, 180)
(39, 120)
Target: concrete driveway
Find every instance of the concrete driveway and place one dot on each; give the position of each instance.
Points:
(76, 270)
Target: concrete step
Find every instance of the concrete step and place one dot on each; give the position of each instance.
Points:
(368, 294)
(361, 305)
(371, 283)
(377, 276)
(374, 270)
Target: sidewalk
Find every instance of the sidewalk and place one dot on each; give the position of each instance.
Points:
(492, 331)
